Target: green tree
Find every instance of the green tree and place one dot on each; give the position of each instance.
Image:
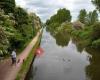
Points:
(7, 31)
(91, 18)
(26, 23)
(96, 31)
(82, 15)
(63, 15)
(7, 5)
(96, 3)
(16, 26)
(21, 16)
(4, 43)
(56, 20)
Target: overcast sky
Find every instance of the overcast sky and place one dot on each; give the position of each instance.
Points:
(46, 8)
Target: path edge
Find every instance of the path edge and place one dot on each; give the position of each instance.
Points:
(22, 73)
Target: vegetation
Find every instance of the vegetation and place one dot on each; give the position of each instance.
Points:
(96, 3)
(88, 18)
(91, 32)
(25, 66)
(58, 25)
(57, 22)
(82, 16)
(16, 27)
(88, 34)
(8, 6)
(91, 18)
(61, 16)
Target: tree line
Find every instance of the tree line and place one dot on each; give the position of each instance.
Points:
(17, 27)
(62, 15)
(89, 34)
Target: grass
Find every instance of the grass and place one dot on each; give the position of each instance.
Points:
(26, 65)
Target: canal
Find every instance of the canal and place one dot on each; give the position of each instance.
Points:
(63, 60)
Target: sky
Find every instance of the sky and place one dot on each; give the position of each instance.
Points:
(46, 8)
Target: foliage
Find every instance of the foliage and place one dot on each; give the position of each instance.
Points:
(82, 16)
(59, 25)
(25, 66)
(8, 6)
(66, 26)
(16, 26)
(91, 33)
(62, 38)
(4, 43)
(21, 16)
(96, 3)
(88, 18)
(91, 18)
(56, 20)
(61, 16)
(7, 31)
(96, 31)
(96, 43)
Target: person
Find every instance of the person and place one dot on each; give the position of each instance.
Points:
(13, 57)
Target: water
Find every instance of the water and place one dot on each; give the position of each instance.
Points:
(62, 60)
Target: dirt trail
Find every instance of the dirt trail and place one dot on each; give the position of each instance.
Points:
(8, 72)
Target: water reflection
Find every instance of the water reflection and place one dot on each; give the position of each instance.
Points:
(62, 39)
(72, 61)
(79, 45)
(93, 70)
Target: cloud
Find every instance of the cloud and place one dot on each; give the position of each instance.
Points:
(21, 3)
(46, 8)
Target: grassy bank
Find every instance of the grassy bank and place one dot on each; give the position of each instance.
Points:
(26, 65)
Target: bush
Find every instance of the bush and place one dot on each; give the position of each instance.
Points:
(96, 43)
(4, 43)
(96, 31)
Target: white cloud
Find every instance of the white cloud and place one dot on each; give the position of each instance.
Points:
(21, 3)
(46, 8)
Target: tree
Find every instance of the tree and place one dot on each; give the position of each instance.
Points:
(96, 3)
(21, 16)
(7, 5)
(7, 31)
(82, 15)
(92, 17)
(4, 43)
(56, 20)
(61, 16)
(16, 26)
(96, 31)
(64, 15)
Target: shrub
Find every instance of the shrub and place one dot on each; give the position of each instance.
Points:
(96, 31)
(96, 43)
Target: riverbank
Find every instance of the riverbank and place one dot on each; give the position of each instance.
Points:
(8, 72)
(27, 63)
